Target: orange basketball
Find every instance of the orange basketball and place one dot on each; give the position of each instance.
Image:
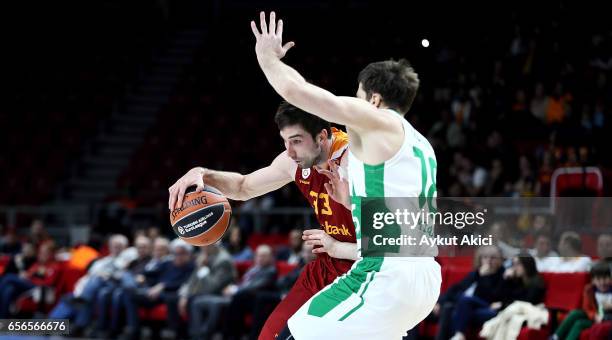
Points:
(203, 218)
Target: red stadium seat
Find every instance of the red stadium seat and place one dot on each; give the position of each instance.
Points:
(273, 240)
(66, 280)
(4, 260)
(563, 293)
(242, 267)
(564, 290)
(452, 275)
(256, 239)
(456, 261)
(283, 268)
(534, 334)
(157, 313)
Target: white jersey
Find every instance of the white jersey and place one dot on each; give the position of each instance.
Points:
(410, 173)
(371, 301)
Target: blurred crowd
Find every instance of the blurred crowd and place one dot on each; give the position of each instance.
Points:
(231, 288)
(535, 96)
(200, 291)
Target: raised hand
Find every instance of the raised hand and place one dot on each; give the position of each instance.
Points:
(338, 187)
(269, 42)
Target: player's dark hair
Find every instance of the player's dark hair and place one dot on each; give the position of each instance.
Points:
(288, 115)
(395, 81)
(600, 269)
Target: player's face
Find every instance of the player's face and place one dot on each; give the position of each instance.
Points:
(301, 147)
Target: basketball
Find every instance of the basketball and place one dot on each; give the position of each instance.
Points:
(203, 218)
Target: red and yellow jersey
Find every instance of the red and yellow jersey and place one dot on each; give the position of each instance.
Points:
(332, 216)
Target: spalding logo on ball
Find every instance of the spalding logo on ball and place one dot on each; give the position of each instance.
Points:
(203, 218)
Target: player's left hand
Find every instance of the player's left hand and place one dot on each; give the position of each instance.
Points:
(320, 239)
(270, 41)
(338, 186)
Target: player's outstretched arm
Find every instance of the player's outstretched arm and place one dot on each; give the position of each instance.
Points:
(234, 185)
(355, 113)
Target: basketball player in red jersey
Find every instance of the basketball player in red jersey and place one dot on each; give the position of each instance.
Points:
(314, 159)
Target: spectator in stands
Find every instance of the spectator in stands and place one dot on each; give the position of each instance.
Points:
(266, 301)
(501, 237)
(558, 103)
(596, 305)
(259, 277)
(38, 233)
(483, 283)
(539, 103)
(43, 273)
(521, 282)
(214, 272)
(604, 247)
(9, 243)
(172, 275)
(496, 179)
(21, 262)
(293, 253)
(544, 255)
(153, 232)
(571, 259)
(541, 224)
(79, 304)
(527, 184)
(109, 297)
(138, 276)
(236, 245)
(161, 254)
(82, 256)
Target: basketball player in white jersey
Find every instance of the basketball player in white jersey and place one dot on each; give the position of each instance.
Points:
(380, 297)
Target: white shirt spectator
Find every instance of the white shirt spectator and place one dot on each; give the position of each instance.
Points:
(545, 263)
(569, 264)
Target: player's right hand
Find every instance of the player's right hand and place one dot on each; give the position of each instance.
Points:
(177, 190)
